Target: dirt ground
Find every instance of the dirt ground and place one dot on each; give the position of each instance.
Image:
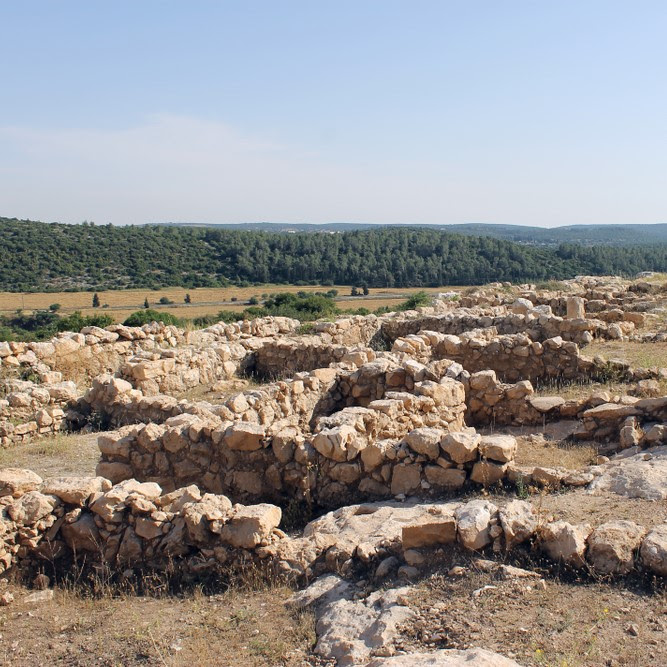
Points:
(232, 629)
(56, 456)
(559, 623)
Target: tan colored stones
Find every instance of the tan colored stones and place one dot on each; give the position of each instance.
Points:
(31, 507)
(518, 521)
(501, 448)
(17, 481)
(244, 436)
(251, 525)
(449, 479)
(612, 546)
(653, 550)
(488, 472)
(75, 490)
(405, 479)
(563, 541)
(429, 532)
(473, 522)
(461, 446)
(425, 441)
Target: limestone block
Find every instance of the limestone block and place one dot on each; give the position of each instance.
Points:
(425, 441)
(653, 550)
(244, 436)
(75, 490)
(575, 308)
(563, 541)
(450, 479)
(405, 479)
(17, 481)
(518, 521)
(251, 525)
(500, 448)
(31, 507)
(82, 535)
(612, 546)
(429, 532)
(473, 522)
(488, 472)
(461, 446)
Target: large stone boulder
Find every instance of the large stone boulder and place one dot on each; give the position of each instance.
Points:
(17, 481)
(612, 546)
(31, 507)
(564, 542)
(518, 521)
(473, 522)
(653, 550)
(75, 490)
(501, 448)
(425, 441)
(461, 446)
(251, 525)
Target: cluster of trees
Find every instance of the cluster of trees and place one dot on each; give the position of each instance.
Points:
(45, 324)
(38, 256)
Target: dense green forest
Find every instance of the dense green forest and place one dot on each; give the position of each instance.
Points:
(581, 234)
(37, 256)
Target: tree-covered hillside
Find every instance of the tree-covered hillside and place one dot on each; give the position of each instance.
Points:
(40, 256)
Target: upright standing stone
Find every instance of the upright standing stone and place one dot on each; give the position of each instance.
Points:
(575, 308)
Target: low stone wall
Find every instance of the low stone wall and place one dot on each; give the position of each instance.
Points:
(517, 357)
(386, 537)
(293, 442)
(29, 410)
(539, 327)
(279, 358)
(177, 370)
(82, 356)
(46, 524)
(131, 524)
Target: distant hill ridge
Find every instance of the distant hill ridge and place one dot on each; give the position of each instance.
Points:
(630, 234)
(37, 256)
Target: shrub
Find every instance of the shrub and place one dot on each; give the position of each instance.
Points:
(76, 321)
(141, 317)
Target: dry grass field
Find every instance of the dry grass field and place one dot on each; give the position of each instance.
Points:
(204, 301)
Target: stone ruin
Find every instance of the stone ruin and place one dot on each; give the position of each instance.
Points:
(386, 420)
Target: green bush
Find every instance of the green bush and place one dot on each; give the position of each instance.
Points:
(76, 321)
(141, 317)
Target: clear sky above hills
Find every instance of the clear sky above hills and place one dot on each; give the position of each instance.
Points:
(526, 112)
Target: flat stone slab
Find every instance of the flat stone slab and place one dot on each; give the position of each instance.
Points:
(546, 403)
(643, 475)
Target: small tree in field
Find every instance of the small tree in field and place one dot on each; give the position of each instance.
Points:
(96, 300)
(187, 298)
(146, 304)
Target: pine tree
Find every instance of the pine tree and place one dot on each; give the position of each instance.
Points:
(96, 300)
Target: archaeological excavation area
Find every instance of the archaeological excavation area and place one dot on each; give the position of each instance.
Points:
(482, 481)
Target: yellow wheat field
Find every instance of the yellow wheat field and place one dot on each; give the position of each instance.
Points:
(204, 301)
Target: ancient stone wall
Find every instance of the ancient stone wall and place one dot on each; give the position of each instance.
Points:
(28, 409)
(82, 356)
(130, 524)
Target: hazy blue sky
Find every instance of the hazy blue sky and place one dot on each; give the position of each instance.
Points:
(515, 111)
